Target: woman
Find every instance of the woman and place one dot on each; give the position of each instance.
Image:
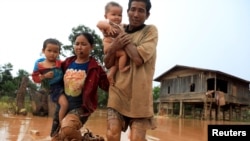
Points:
(82, 76)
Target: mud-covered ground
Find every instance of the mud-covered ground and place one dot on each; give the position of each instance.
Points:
(34, 128)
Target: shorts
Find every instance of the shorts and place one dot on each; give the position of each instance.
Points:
(55, 92)
(80, 113)
(139, 123)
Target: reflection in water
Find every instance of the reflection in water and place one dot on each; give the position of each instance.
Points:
(23, 129)
(18, 128)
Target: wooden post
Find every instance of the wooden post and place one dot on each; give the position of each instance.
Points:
(205, 109)
(218, 113)
(193, 111)
(21, 94)
(180, 110)
(172, 110)
(230, 112)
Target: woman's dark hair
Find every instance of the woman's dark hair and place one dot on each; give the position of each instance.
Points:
(147, 2)
(51, 41)
(87, 35)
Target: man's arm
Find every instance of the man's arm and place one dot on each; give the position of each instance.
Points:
(133, 54)
(118, 43)
(131, 51)
(122, 42)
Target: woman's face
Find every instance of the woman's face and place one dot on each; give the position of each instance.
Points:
(137, 14)
(82, 47)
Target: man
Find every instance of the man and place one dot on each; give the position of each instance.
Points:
(130, 102)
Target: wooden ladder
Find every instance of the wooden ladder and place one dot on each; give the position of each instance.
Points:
(207, 106)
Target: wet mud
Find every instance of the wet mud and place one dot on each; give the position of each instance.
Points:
(34, 128)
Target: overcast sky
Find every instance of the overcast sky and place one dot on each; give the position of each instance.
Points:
(210, 34)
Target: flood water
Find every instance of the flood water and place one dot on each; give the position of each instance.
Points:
(34, 128)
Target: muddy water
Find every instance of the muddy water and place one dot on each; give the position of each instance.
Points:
(33, 128)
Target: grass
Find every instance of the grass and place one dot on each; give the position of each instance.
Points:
(8, 104)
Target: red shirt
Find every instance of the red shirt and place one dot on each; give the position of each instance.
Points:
(96, 77)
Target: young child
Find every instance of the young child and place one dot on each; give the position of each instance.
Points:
(47, 71)
(111, 27)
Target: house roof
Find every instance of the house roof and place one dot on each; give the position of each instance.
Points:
(180, 67)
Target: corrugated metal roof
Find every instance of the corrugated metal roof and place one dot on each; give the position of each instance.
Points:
(178, 67)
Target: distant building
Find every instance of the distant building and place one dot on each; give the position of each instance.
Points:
(202, 93)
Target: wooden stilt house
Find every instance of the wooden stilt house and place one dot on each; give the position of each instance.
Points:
(202, 93)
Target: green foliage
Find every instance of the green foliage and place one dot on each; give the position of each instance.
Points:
(9, 84)
(102, 98)
(8, 88)
(8, 104)
(156, 93)
(1, 77)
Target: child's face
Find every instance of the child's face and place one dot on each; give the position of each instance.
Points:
(114, 14)
(51, 52)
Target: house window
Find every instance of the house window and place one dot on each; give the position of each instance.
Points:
(168, 89)
(192, 87)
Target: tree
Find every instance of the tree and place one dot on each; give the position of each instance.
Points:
(97, 52)
(7, 85)
(156, 95)
(6, 71)
(156, 92)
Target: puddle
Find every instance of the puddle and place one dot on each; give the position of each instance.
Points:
(34, 128)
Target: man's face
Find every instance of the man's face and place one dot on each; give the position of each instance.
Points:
(137, 14)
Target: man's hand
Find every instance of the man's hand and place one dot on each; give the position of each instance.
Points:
(113, 32)
(118, 43)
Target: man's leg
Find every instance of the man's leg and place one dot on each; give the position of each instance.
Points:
(114, 126)
(138, 129)
(137, 134)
